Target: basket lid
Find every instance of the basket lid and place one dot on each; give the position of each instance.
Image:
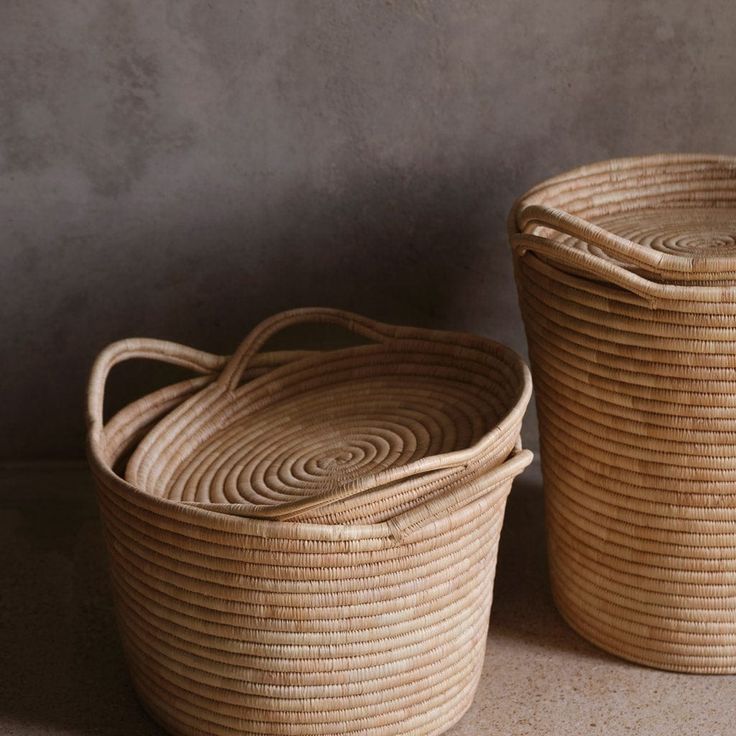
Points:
(704, 237)
(668, 218)
(337, 424)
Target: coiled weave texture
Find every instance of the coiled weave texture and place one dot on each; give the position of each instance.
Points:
(238, 625)
(331, 435)
(626, 273)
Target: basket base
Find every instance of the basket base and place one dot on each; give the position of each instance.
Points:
(436, 728)
(581, 624)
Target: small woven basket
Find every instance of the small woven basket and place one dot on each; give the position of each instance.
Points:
(626, 272)
(241, 625)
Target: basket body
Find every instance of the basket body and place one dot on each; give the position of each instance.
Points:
(238, 625)
(636, 396)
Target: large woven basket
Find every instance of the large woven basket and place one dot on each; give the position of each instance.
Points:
(240, 625)
(626, 272)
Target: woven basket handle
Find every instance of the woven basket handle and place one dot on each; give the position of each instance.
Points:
(495, 485)
(600, 268)
(233, 371)
(140, 347)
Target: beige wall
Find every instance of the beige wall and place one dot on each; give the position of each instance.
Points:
(182, 169)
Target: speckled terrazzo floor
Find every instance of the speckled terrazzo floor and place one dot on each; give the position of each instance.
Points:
(62, 672)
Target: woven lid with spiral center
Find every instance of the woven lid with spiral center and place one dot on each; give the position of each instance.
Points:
(667, 218)
(337, 424)
(705, 237)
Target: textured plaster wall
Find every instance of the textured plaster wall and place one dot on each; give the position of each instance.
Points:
(182, 169)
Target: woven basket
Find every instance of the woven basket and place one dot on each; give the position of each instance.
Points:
(626, 272)
(239, 625)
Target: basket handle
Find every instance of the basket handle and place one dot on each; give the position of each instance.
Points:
(613, 245)
(140, 347)
(495, 485)
(233, 371)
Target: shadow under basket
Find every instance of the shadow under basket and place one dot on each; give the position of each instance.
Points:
(239, 625)
(626, 272)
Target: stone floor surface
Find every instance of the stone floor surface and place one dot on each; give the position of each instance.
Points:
(62, 672)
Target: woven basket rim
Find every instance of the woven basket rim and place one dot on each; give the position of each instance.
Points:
(136, 419)
(230, 523)
(625, 164)
(653, 183)
(197, 422)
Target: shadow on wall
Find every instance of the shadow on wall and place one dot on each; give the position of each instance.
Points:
(417, 248)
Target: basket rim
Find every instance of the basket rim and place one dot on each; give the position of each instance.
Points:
(211, 409)
(561, 205)
(623, 165)
(137, 418)
(304, 530)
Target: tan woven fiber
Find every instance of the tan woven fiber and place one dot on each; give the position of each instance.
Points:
(330, 436)
(626, 272)
(239, 625)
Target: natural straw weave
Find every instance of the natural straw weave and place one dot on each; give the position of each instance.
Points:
(626, 272)
(355, 434)
(236, 625)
